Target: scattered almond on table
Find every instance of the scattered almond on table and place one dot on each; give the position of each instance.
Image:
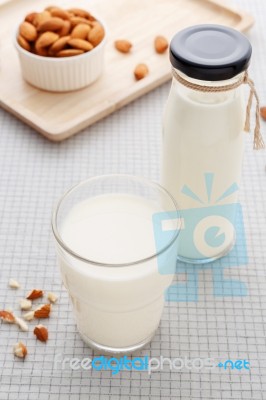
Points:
(10, 318)
(42, 311)
(7, 316)
(20, 350)
(56, 32)
(141, 71)
(21, 324)
(41, 333)
(124, 46)
(34, 294)
(160, 44)
(52, 297)
(14, 284)
(25, 304)
(29, 316)
(263, 113)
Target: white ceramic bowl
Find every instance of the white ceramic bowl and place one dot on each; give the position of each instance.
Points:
(62, 74)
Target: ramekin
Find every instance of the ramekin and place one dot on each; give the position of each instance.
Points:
(62, 74)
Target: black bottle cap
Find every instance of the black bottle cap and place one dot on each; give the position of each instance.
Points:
(210, 52)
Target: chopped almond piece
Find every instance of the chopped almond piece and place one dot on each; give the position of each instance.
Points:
(41, 333)
(29, 316)
(52, 297)
(43, 311)
(34, 294)
(21, 324)
(25, 304)
(7, 316)
(14, 284)
(20, 350)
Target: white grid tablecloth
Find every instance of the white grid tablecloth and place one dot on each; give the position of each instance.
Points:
(35, 172)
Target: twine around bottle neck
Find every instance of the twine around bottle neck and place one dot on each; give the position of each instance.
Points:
(258, 142)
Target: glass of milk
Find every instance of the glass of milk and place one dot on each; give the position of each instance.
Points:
(105, 230)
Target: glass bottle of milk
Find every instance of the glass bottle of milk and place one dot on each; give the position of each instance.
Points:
(203, 137)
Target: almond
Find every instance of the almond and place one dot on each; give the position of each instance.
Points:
(14, 284)
(96, 35)
(28, 31)
(79, 12)
(69, 53)
(58, 45)
(80, 44)
(41, 333)
(43, 311)
(31, 17)
(21, 324)
(20, 350)
(52, 297)
(50, 25)
(25, 304)
(29, 316)
(41, 51)
(64, 31)
(141, 71)
(35, 293)
(41, 17)
(160, 44)
(94, 23)
(45, 40)
(23, 43)
(49, 8)
(263, 113)
(7, 316)
(79, 20)
(80, 31)
(123, 46)
(92, 19)
(59, 12)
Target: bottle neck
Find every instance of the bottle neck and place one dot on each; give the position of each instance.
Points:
(188, 81)
(208, 92)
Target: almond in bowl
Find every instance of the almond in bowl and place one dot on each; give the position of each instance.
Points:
(61, 50)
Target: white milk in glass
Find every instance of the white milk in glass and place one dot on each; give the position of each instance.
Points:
(115, 306)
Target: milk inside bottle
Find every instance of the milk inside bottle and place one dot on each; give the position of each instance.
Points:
(203, 136)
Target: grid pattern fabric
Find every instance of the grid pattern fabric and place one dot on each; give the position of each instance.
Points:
(35, 172)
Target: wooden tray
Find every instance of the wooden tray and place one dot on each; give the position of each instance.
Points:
(58, 116)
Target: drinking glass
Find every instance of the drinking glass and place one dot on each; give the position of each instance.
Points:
(116, 242)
